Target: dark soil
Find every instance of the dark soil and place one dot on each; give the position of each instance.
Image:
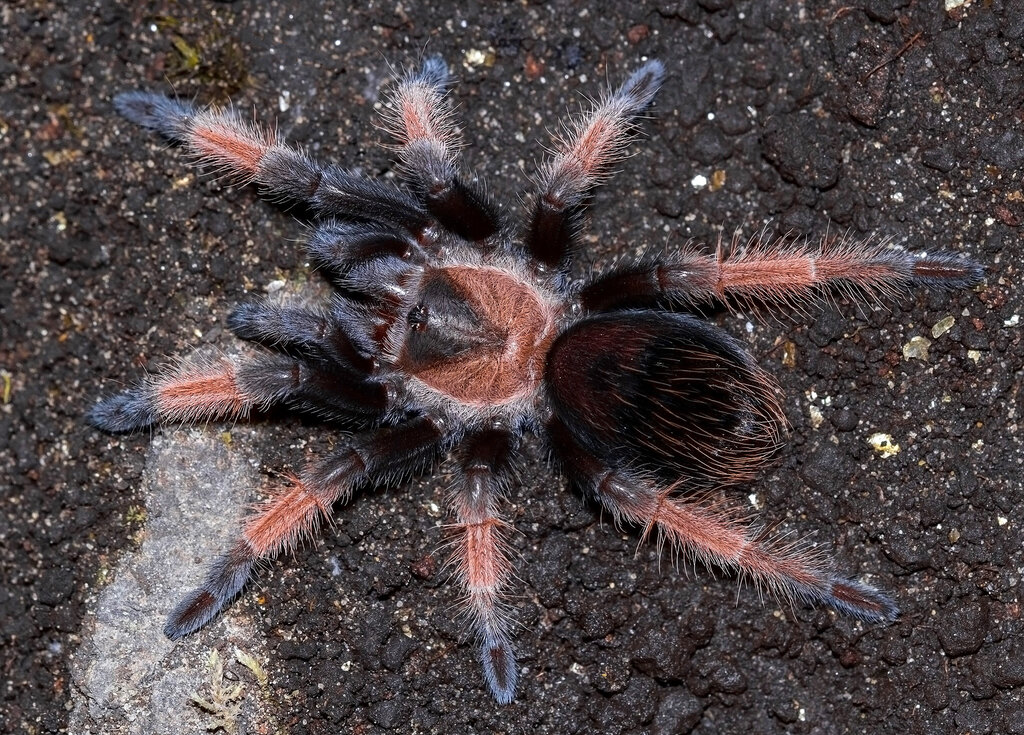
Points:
(887, 118)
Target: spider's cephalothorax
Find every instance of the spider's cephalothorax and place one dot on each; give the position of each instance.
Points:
(450, 330)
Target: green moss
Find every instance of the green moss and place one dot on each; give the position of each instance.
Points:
(203, 57)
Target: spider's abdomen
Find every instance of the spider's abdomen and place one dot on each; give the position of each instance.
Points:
(478, 335)
(667, 394)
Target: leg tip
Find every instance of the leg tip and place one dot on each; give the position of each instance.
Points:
(191, 614)
(123, 413)
(155, 111)
(947, 271)
(244, 321)
(226, 578)
(862, 601)
(434, 72)
(500, 669)
(643, 84)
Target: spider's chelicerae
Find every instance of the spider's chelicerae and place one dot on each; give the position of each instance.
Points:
(452, 330)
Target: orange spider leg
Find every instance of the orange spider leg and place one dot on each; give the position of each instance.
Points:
(778, 272)
(481, 558)
(195, 390)
(245, 151)
(583, 158)
(715, 535)
(201, 389)
(296, 510)
(420, 118)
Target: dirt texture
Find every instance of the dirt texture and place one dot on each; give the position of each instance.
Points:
(887, 119)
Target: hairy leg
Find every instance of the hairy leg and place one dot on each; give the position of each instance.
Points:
(582, 160)
(197, 389)
(481, 556)
(336, 248)
(219, 138)
(223, 388)
(330, 335)
(779, 273)
(296, 510)
(420, 118)
(717, 536)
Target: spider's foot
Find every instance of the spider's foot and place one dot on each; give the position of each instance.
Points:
(129, 411)
(191, 614)
(165, 115)
(500, 669)
(639, 89)
(434, 72)
(227, 577)
(861, 601)
(947, 271)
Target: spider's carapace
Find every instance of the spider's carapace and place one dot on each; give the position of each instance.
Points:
(478, 335)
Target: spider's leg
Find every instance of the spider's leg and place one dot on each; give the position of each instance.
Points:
(420, 118)
(581, 161)
(715, 535)
(318, 388)
(243, 150)
(480, 555)
(298, 508)
(782, 274)
(226, 389)
(197, 389)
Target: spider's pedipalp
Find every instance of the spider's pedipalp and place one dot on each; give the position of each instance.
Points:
(716, 535)
(582, 160)
(420, 118)
(311, 333)
(778, 273)
(481, 556)
(295, 510)
(333, 192)
(334, 247)
(388, 280)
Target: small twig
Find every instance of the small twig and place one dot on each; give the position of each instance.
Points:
(902, 50)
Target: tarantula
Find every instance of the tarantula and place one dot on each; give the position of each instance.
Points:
(451, 330)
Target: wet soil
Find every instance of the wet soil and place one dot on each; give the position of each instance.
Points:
(886, 119)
